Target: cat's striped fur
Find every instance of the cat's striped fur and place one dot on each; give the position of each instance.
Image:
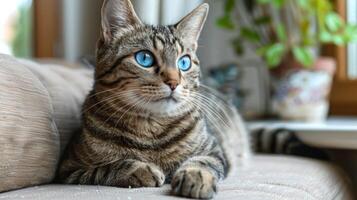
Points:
(136, 131)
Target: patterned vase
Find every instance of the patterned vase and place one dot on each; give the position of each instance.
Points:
(301, 94)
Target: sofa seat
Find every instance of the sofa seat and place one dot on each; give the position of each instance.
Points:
(267, 177)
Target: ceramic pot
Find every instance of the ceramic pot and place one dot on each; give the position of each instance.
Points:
(301, 93)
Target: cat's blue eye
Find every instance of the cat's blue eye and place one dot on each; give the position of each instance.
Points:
(144, 58)
(184, 63)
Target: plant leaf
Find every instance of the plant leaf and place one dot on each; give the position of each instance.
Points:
(304, 3)
(225, 22)
(338, 39)
(229, 6)
(250, 34)
(350, 34)
(333, 21)
(325, 37)
(262, 50)
(276, 3)
(263, 1)
(262, 20)
(303, 55)
(280, 31)
(308, 41)
(274, 54)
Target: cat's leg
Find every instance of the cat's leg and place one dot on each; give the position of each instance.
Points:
(125, 173)
(198, 177)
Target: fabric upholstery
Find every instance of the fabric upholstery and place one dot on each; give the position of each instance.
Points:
(40, 109)
(268, 178)
(29, 144)
(67, 87)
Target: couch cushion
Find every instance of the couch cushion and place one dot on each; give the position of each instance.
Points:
(29, 144)
(40, 109)
(267, 178)
(67, 87)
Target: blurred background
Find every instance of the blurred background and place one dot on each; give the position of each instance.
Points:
(268, 56)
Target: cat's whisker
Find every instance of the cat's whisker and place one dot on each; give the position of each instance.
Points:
(99, 102)
(216, 110)
(215, 106)
(115, 99)
(132, 106)
(145, 104)
(107, 103)
(114, 96)
(219, 119)
(218, 96)
(110, 90)
(118, 110)
(208, 115)
(214, 120)
(101, 92)
(215, 93)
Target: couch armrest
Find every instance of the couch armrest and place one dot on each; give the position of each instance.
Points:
(67, 87)
(29, 140)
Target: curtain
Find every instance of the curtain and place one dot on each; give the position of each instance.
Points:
(164, 11)
(148, 10)
(81, 21)
(79, 29)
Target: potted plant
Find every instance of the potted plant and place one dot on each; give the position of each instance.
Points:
(287, 35)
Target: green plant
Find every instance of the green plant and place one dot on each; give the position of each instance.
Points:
(21, 42)
(278, 28)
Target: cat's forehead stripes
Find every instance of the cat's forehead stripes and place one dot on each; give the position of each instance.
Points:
(163, 37)
(165, 44)
(158, 42)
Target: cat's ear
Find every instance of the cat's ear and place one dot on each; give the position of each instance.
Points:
(190, 27)
(117, 15)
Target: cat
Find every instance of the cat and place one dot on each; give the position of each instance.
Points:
(149, 120)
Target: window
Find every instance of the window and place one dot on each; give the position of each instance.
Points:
(16, 28)
(352, 48)
(344, 91)
(29, 28)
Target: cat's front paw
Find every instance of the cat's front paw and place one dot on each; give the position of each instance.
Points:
(194, 183)
(145, 175)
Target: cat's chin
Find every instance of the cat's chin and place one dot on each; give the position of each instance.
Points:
(166, 106)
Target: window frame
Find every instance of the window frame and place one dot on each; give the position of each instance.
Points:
(343, 97)
(46, 27)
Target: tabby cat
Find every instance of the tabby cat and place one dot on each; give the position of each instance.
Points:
(148, 120)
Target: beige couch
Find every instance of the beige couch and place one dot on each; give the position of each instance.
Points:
(62, 91)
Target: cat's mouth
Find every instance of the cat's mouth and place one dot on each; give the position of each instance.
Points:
(170, 98)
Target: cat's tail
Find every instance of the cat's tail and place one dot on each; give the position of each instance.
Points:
(275, 140)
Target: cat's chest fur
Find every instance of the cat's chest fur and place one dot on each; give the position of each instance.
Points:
(166, 141)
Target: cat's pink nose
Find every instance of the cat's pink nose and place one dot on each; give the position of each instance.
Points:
(172, 84)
